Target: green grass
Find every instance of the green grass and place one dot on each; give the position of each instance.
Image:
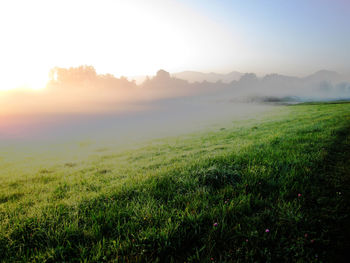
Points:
(206, 197)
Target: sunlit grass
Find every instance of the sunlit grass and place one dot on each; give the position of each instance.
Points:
(209, 196)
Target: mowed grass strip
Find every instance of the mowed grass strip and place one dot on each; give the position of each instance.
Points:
(269, 190)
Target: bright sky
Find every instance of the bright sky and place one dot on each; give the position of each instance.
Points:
(135, 37)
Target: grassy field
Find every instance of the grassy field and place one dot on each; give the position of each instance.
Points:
(271, 189)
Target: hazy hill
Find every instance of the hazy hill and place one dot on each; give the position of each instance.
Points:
(320, 85)
(325, 75)
(194, 76)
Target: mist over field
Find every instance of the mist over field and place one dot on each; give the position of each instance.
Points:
(79, 104)
(175, 131)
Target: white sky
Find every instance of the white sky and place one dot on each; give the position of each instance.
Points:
(119, 37)
(139, 37)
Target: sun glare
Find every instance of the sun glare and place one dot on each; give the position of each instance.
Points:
(28, 80)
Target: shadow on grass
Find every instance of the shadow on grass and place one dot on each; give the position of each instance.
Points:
(327, 202)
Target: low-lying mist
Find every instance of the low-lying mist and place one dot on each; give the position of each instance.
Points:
(79, 104)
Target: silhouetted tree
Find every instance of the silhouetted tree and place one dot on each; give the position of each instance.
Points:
(86, 76)
(163, 75)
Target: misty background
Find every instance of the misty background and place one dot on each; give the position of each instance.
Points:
(79, 104)
(137, 38)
